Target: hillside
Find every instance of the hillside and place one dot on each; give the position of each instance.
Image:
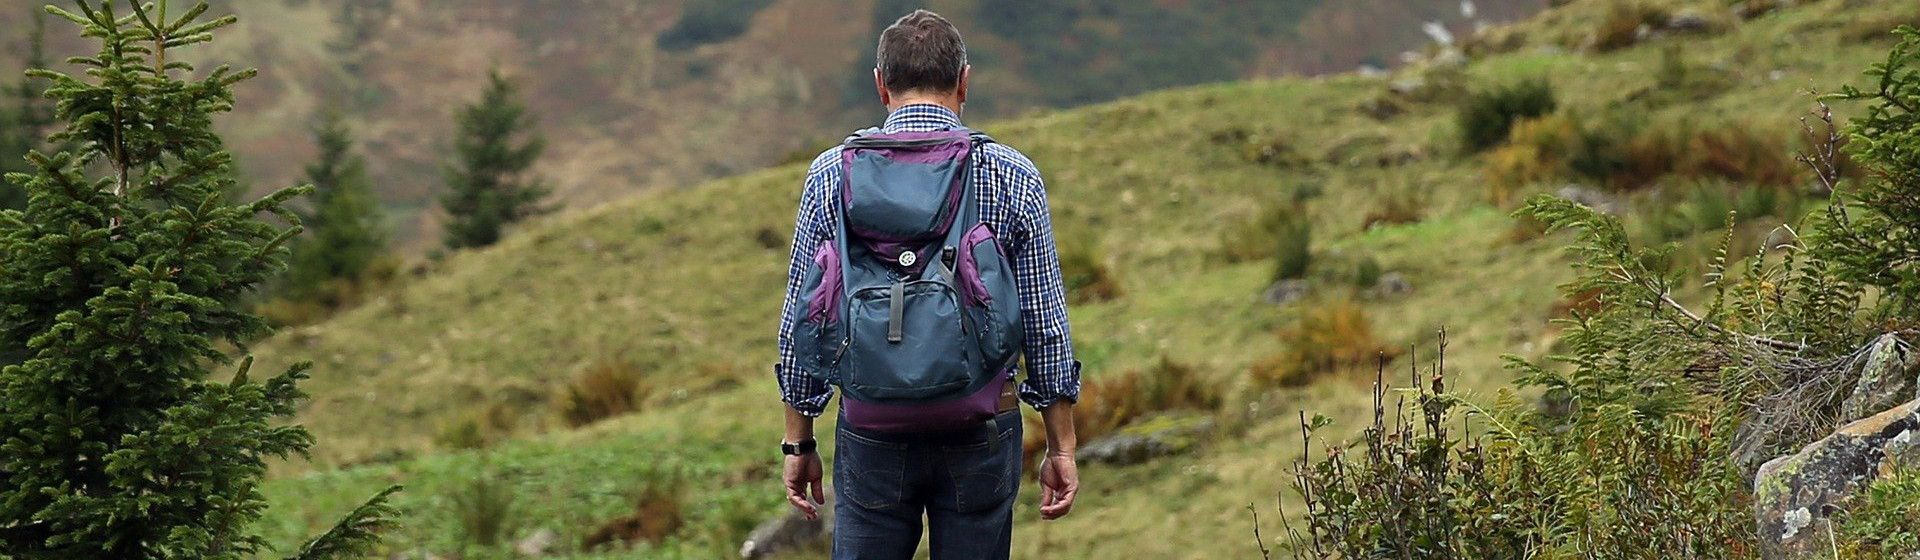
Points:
(638, 95)
(684, 284)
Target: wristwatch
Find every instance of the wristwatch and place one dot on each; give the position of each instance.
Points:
(803, 448)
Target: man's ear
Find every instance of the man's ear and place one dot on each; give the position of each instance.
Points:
(880, 84)
(965, 72)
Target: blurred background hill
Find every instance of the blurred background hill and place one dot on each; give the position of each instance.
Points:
(670, 93)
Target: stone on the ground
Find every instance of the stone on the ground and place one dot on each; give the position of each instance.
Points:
(1391, 284)
(1690, 21)
(1886, 380)
(1287, 291)
(1148, 438)
(1795, 495)
(790, 533)
(1593, 198)
(538, 544)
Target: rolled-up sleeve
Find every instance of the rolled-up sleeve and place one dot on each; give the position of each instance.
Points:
(803, 392)
(1052, 372)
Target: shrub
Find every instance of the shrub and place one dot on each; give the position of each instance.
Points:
(1535, 153)
(1332, 337)
(1086, 275)
(1282, 232)
(1292, 250)
(1739, 153)
(659, 512)
(1367, 274)
(476, 431)
(1884, 523)
(486, 508)
(1487, 117)
(1402, 207)
(601, 392)
(709, 21)
(1621, 28)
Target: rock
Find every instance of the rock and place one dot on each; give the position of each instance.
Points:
(1690, 21)
(1381, 108)
(1391, 284)
(790, 533)
(538, 544)
(1287, 291)
(1793, 495)
(1147, 438)
(1592, 198)
(1886, 380)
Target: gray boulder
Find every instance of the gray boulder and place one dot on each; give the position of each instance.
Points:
(1287, 291)
(1390, 285)
(1795, 495)
(1886, 380)
(538, 544)
(1691, 21)
(1147, 438)
(1596, 199)
(790, 533)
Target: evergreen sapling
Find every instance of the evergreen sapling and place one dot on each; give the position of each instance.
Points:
(128, 431)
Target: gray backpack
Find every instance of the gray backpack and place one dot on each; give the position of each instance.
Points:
(911, 309)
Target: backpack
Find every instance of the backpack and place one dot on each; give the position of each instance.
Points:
(911, 309)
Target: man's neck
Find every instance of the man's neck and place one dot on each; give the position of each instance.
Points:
(951, 103)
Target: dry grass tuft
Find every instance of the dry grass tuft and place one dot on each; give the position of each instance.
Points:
(659, 512)
(1331, 337)
(603, 391)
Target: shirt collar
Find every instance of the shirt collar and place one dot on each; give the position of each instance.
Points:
(921, 117)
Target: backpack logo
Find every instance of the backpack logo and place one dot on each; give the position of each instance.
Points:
(911, 309)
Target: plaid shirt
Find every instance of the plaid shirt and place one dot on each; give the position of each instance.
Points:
(1013, 201)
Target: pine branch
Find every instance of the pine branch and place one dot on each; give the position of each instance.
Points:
(357, 533)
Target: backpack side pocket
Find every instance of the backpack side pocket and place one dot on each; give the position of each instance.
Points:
(993, 299)
(815, 338)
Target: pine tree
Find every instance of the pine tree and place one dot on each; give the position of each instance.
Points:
(123, 280)
(345, 219)
(1874, 234)
(24, 128)
(490, 182)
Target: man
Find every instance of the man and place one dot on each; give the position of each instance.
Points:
(963, 482)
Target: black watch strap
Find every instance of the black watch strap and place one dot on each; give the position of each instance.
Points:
(803, 448)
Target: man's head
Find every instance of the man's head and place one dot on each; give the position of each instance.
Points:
(921, 59)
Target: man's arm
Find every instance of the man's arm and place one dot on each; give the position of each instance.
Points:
(1053, 376)
(805, 396)
(803, 473)
(1059, 475)
(812, 222)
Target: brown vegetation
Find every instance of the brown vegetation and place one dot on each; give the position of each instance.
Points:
(1331, 337)
(603, 391)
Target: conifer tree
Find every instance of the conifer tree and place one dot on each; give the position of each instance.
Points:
(1874, 234)
(128, 432)
(24, 127)
(345, 220)
(491, 187)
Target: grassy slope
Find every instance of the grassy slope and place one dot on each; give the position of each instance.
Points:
(622, 114)
(675, 281)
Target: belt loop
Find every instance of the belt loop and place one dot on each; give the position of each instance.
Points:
(993, 428)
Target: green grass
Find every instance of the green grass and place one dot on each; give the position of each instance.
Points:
(675, 282)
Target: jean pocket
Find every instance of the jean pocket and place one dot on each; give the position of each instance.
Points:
(869, 473)
(986, 474)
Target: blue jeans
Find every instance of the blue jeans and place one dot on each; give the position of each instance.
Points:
(964, 482)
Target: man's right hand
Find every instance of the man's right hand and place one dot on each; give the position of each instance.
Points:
(802, 474)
